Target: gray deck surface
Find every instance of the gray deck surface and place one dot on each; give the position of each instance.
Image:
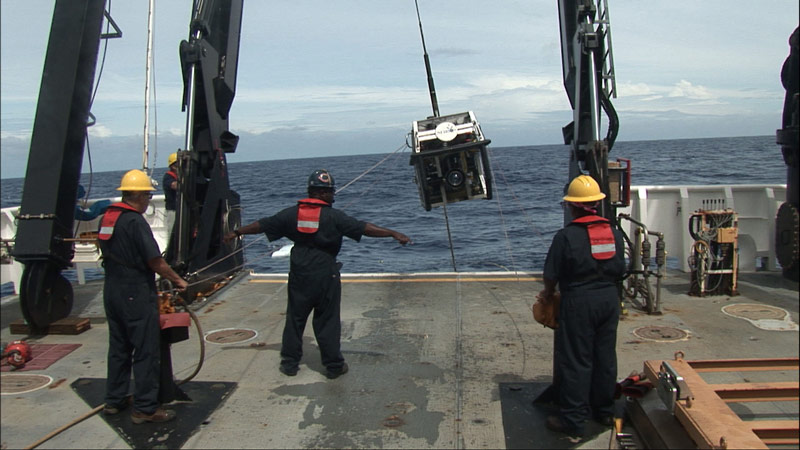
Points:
(427, 355)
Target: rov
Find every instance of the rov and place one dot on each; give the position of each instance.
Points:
(450, 160)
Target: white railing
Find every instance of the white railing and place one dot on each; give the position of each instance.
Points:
(667, 209)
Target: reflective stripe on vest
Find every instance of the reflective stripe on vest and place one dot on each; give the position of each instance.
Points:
(601, 238)
(110, 219)
(172, 174)
(308, 211)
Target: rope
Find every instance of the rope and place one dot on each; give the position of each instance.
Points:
(344, 206)
(240, 266)
(505, 230)
(528, 219)
(370, 169)
(225, 257)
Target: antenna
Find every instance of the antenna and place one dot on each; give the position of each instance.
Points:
(431, 88)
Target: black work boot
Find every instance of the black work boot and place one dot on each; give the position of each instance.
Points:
(336, 373)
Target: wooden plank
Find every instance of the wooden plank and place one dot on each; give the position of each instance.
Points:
(743, 365)
(780, 441)
(789, 427)
(67, 325)
(776, 432)
(706, 418)
(758, 392)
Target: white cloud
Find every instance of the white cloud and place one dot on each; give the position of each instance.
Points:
(15, 134)
(686, 89)
(634, 89)
(100, 131)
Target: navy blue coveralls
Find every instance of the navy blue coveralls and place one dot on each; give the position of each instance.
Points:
(585, 358)
(314, 283)
(131, 304)
(170, 195)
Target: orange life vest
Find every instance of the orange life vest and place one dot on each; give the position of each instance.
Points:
(308, 211)
(601, 238)
(110, 219)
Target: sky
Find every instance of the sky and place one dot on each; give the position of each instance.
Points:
(324, 78)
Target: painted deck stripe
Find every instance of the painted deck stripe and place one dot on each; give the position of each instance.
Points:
(413, 280)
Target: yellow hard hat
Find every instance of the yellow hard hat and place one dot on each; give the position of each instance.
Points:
(583, 189)
(135, 180)
(172, 158)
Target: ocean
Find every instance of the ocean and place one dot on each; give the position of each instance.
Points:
(510, 232)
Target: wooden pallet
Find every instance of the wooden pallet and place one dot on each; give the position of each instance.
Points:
(706, 416)
(68, 325)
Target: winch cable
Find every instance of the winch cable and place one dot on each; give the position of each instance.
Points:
(447, 225)
(435, 108)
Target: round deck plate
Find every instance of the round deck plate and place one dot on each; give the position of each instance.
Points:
(230, 336)
(22, 383)
(661, 334)
(765, 317)
(754, 312)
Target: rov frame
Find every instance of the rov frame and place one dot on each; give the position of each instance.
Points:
(450, 160)
(715, 253)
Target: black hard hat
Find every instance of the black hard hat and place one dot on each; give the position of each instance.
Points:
(321, 178)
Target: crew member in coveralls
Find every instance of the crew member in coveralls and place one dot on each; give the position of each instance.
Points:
(170, 185)
(317, 230)
(131, 259)
(586, 260)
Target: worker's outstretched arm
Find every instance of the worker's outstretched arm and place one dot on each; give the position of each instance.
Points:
(373, 230)
(251, 228)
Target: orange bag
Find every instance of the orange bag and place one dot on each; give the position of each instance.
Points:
(545, 310)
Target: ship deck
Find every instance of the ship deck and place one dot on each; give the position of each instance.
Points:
(429, 357)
